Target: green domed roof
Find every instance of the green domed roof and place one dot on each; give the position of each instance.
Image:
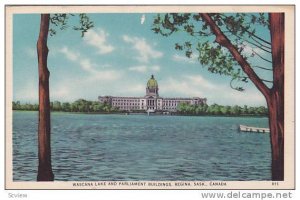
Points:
(152, 83)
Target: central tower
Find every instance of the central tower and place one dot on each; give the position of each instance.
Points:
(152, 88)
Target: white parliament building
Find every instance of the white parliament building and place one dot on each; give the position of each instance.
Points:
(151, 101)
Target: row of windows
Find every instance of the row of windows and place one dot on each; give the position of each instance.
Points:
(172, 108)
(127, 108)
(125, 104)
(175, 101)
(117, 102)
(137, 100)
(169, 104)
(132, 104)
(172, 104)
(126, 100)
(137, 104)
(137, 108)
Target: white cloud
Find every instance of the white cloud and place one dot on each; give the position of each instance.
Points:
(199, 80)
(95, 72)
(75, 89)
(179, 58)
(144, 68)
(104, 75)
(198, 86)
(98, 38)
(86, 64)
(180, 88)
(141, 68)
(144, 50)
(70, 54)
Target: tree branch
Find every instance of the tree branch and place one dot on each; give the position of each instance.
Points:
(261, 56)
(255, 36)
(260, 47)
(260, 43)
(225, 42)
(250, 33)
(267, 81)
(263, 68)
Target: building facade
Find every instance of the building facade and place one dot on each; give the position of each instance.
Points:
(151, 101)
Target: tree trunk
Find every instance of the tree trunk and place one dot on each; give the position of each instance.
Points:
(274, 96)
(276, 99)
(44, 149)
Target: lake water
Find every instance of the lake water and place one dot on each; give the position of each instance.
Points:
(140, 147)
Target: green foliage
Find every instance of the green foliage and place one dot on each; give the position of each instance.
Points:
(215, 109)
(18, 106)
(84, 24)
(217, 60)
(239, 28)
(85, 106)
(61, 22)
(79, 105)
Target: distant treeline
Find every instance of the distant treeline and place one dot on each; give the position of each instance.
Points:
(85, 106)
(80, 105)
(215, 109)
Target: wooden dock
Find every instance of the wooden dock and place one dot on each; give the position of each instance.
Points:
(253, 129)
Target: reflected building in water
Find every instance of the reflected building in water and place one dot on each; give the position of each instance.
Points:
(151, 101)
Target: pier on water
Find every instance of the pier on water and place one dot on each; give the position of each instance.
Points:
(252, 129)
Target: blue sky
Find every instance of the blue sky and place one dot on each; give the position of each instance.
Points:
(116, 57)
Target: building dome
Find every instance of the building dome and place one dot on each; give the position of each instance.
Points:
(152, 83)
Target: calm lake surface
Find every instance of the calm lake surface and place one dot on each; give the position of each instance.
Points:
(139, 147)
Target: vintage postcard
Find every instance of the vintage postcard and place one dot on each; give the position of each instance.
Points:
(150, 97)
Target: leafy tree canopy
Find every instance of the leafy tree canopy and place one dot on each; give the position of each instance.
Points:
(61, 22)
(239, 28)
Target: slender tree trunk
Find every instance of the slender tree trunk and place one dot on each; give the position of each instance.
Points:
(44, 149)
(276, 99)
